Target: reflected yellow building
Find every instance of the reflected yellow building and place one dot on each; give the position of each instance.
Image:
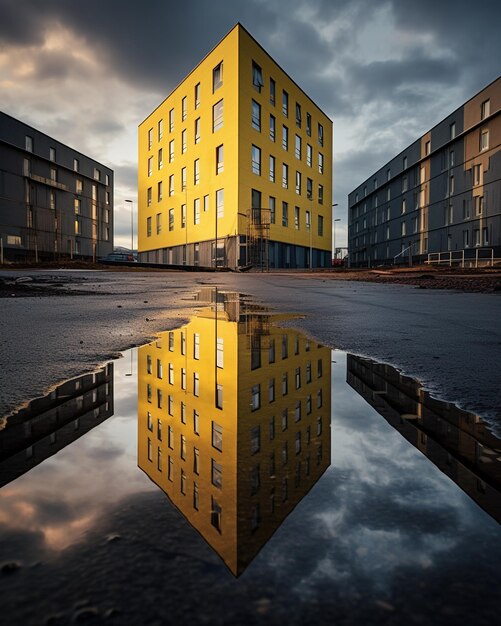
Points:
(234, 422)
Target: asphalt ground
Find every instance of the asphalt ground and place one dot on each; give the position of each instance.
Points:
(450, 340)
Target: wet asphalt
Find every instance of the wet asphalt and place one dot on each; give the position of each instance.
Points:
(450, 341)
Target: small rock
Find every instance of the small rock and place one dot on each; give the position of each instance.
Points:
(10, 568)
(145, 301)
(113, 538)
(87, 615)
(119, 306)
(81, 341)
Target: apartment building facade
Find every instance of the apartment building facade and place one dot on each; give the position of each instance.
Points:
(439, 196)
(234, 423)
(235, 167)
(55, 202)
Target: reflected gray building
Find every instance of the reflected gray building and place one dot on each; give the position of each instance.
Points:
(48, 424)
(458, 442)
(54, 201)
(439, 196)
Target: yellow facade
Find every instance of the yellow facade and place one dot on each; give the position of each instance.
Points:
(183, 129)
(233, 462)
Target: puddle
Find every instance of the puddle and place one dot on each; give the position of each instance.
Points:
(307, 471)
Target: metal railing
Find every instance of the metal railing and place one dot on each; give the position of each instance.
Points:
(463, 258)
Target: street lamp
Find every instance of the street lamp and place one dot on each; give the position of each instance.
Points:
(131, 226)
(338, 219)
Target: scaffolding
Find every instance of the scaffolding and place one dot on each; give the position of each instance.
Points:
(258, 235)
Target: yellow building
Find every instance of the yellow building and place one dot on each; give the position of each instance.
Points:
(234, 423)
(235, 167)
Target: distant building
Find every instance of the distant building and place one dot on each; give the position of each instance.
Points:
(440, 196)
(234, 422)
(235, 167)
(54, 201)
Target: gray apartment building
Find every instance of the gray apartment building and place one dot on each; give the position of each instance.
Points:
(440, 198)
(54, 201)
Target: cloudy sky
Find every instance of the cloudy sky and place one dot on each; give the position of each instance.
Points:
(385, 71)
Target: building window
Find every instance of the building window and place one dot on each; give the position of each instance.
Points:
(285, 214)
(285, 175)
(217, 116)
(285, 137)
(220, 352)
(272, 128)
(309, 188)
(183, 179)
(217, 436)
(320, 226)
(307, 220)
(298, 115)
(298, 183)
(404, 164)
(320, 163)
(197, 130)
(255, 397)
(206, 203)
(220, 202)
(184, 108)
(217, 77)
(485, 109)
(296, 218)
(272, 91)
(171, 219)
(257, 76)
(160, 129)
(272, 202)
(150, 166)
(148, 226)
(320, 194)
(150, 138)
(285, 347)
(452, 129)
(28, 143)
(183, 216)
(272, 168)
(161, 159)
(256, 160)
(171, 185)
(309, 155)
(256, 115)
(219, 396)
(219, 159)
(215, 514)
(196, 211)
(298, 149)
(159, 223)
(285, 103)
(171, 151)
(484, 139)
(196, 384)
(320, 134)
(52, 154)
(53, 175)
(183, 141)
(197, 95)
(271, 390)
(75, 165)
(148, 196)
(196, 171)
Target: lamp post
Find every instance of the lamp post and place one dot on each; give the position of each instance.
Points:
(131, 226)
(334, 229)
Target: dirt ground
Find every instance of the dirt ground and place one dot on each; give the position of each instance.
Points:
(484, 280)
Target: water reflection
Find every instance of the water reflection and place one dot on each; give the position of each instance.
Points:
(456, 441)
(234, 422)
(50, 423)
